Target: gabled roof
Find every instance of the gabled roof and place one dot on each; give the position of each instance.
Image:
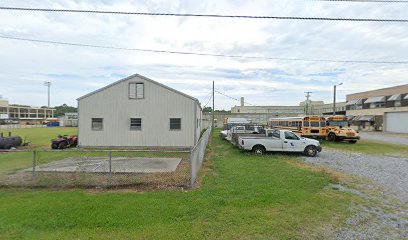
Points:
(144, 78)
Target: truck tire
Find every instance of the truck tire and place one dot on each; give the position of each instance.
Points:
(258, 150)
(332, 137)
(310, 151)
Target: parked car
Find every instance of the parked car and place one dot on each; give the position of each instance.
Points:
(280, 141)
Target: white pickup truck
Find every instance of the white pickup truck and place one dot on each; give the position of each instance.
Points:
(280, 141)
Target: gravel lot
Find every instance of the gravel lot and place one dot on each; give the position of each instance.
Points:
(385, 137)
(383, 185)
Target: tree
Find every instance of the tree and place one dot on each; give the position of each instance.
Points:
(64, 108)
(207, 109)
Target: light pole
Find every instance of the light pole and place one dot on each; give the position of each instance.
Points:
(48, 84)
(334, 97)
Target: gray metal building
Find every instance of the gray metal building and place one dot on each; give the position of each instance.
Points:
(138, 112)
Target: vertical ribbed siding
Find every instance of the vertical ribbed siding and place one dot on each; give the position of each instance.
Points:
(156, 109)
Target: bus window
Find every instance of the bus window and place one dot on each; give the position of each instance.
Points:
(314, 124)
(305, 123)
(323, 124)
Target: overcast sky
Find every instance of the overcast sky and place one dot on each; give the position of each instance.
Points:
(76, 71)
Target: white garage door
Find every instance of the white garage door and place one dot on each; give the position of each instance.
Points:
(397, 122)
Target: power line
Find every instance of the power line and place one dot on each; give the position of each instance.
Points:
(205, 15)
(208, 101)
(225, 95)
(362, 1)
(200, 54)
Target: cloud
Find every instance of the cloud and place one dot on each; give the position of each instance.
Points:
(75, 71)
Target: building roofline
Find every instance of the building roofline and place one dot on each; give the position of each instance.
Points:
(378, 89)
(144, 78)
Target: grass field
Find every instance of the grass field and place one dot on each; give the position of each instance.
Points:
(40, 137)
(242, 196)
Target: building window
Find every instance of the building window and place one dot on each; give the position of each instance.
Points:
(136, 90)
(397, 103)
(377, 105)
(97, 124)
(135, 124)
(175, 123)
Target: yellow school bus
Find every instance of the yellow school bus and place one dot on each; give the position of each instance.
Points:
(338, 129)
(311, 126)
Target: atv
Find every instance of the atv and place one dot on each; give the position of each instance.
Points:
(64, 141)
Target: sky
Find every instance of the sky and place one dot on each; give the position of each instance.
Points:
(76, 71)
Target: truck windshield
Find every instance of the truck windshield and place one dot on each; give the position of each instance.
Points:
(338, 123)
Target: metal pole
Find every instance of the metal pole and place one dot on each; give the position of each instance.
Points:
(192, 179)
(334, 100)
(48, 84)
(213, 116)
(49, 95)
(34, 165)
(110, 168)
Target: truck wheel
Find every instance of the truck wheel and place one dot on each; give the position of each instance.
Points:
(62, 145)
(311, 151)
(352, 141)
(331, 137)
(258, 150)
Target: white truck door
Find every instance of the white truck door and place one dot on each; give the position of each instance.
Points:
(274, 141)
(292, 143)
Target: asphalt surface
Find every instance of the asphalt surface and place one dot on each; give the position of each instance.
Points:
(385, 137)
(382, 184)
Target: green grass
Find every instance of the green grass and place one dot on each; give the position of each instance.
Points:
(242, 197)
(40, 137)
(369, 147)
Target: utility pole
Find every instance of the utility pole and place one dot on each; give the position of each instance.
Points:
(307, 102)
(213, 116)
(334, 97)
(48, 84)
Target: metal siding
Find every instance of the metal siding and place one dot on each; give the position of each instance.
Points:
(157, 107)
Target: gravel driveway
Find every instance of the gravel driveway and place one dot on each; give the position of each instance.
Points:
(385, 137)
(383, 184)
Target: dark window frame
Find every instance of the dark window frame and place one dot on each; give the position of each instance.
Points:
(129, 89)
(96, 120)
(173, 125)
(135, 126)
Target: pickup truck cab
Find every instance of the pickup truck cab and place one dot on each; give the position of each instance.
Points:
(280, 141)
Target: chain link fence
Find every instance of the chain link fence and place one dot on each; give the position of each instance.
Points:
(197, 155)
(79, 168)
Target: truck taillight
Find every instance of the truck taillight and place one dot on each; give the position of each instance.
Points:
(242, 142)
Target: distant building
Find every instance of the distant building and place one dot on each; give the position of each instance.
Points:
(69, 120)
(261, 114)
(138, 112)
(24, 113)
(382, 109)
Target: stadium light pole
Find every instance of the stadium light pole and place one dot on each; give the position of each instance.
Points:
(48, 84)
(334, 97)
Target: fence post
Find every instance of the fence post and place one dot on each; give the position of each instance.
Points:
(192, 179)
(34, 165)
(110, 169)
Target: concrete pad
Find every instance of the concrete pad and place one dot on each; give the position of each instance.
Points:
(119, 165)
